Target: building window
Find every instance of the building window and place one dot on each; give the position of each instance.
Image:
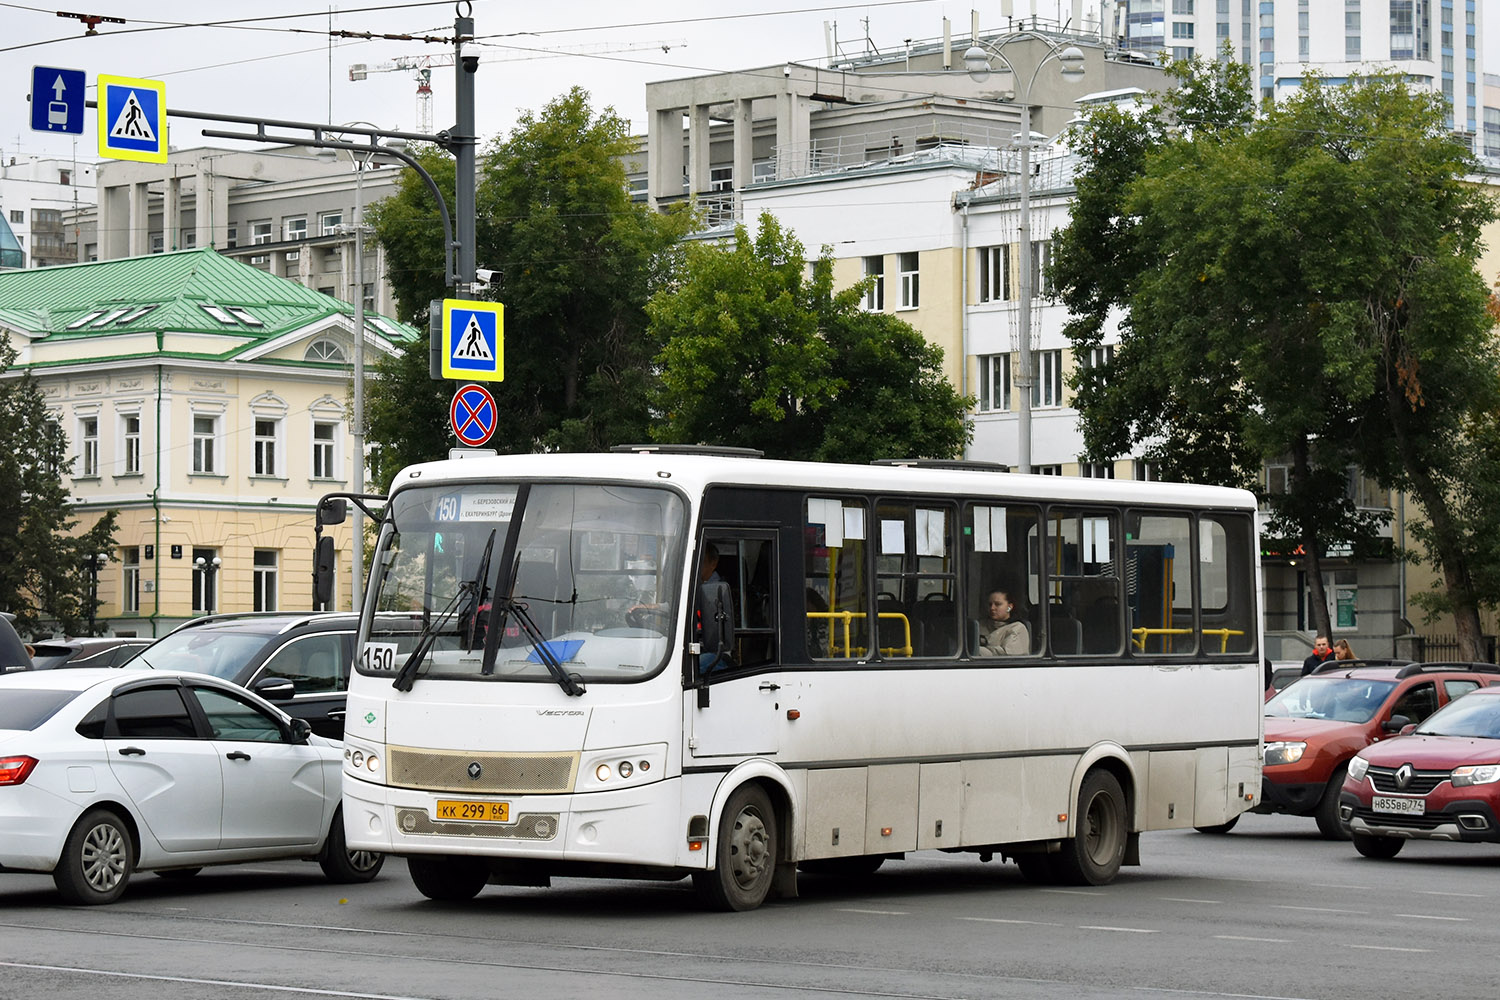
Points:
(295, 229)
(1047, 470)
(1182, 7)
(260, 232)
(158, 243)
(875, 296)
(265, 579)
(1182, 29)
(1047, 391)
(205, 432)
(369, 297)
(324, 350)
(205, 580)
(266, 433)
(1041, 260)
(88, 445)
(232, 237)
(1146, 471)
(329, 222)
(324, 435)
(1096, 470)
(994, 382)
(910, 286)
(994, 274)
(130, 579)
(17, 216)
(130, 435)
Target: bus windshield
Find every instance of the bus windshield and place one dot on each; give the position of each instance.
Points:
(584, 577)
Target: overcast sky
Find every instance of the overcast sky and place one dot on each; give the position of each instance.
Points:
(265, 64)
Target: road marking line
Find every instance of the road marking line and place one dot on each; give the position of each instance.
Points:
(879, 913)
(1428, 916)
(209, 982)
(1237, 937)
(1001, 920)
(1335, 885)
(1179, 899)
(1320, 909)
(1073, 892)
(1382, 947)
(1465, 895)
(1122, 930)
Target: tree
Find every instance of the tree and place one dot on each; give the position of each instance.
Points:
(1299, 284)
(761, 351)
(575, 258)
(42, 578)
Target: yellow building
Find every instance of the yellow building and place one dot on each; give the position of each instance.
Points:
(209, 403)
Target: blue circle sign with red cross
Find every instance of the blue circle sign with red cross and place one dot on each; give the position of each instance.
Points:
(472, 414)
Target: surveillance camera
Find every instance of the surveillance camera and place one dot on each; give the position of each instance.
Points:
(484, 277)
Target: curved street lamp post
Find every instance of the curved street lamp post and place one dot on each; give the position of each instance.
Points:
(977, 63)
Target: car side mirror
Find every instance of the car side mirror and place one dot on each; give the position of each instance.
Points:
(301, 730)
(1396, 724)
(275, 688)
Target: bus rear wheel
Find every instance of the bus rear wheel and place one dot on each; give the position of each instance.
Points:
(1092, 856)
(448, 879)
(745, 854)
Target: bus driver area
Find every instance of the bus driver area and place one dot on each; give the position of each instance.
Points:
(824, 702)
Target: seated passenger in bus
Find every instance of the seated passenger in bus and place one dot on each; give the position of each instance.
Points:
(1000, 634)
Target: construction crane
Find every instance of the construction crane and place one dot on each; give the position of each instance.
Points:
(422, 66)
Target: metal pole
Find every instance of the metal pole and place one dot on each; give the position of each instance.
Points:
(356, 590)
(462, 144)
(1024, 378)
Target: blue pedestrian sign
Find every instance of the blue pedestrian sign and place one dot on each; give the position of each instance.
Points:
(132, 119)
(473, 340)
(57, 99)
(472, 415)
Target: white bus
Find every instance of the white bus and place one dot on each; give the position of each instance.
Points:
(671, 662)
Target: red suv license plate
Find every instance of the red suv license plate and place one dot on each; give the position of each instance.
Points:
(1405, 807)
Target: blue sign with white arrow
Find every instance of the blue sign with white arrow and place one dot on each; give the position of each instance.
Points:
(57, 100)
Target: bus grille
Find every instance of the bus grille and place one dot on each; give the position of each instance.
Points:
(498, 773)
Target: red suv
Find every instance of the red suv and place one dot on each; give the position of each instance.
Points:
(1442, 782)
(1316, 725)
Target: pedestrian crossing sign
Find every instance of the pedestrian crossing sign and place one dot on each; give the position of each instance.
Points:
(473, 340)
(132, 119)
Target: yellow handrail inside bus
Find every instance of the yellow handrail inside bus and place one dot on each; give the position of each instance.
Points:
(1138, 636)
(845, 617)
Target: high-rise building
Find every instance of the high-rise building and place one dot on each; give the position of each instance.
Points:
(1436, 43)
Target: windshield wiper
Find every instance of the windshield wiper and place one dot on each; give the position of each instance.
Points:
(474, 588)
(570, 683)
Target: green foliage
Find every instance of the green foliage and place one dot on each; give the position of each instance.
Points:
(760, 351)
(42, 579)
(1301, 284)
(575, 259)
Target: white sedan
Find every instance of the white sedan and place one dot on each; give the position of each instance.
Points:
(108, 772)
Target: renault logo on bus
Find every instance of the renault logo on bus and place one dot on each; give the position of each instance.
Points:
(475, 770)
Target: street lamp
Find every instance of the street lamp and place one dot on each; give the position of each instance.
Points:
(93, 563)
(977, 64)
(208, 567)
(374, 147)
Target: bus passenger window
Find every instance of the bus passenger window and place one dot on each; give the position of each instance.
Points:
(1159, 571)
(833, 549)
(1226, 575)
(1000, 556)
(1083, 586)
(916, 576)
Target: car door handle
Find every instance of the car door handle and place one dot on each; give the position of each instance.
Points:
(237, 755)
(132, 752)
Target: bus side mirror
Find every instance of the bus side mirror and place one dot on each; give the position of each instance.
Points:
(324, 568)
(333, 510)
(715, 621)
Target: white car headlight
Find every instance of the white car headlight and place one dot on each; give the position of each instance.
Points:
(1475, 774)
(1357, 768)
(1284, 752)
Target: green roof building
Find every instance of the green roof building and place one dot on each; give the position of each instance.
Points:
(208, 402)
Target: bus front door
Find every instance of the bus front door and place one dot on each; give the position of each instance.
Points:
(737, 716)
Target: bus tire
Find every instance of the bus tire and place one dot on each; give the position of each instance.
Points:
(1092, 856)
(448, 879)
(745, 854)
(1327, 813)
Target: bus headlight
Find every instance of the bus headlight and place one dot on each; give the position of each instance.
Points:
(622, 766)
(1284, 753)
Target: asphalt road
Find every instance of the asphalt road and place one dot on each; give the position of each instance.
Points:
(1266, 911)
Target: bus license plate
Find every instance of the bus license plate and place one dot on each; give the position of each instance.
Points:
(1406, 807)
(450, 810)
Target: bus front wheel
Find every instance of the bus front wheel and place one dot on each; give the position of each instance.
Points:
(1092, 856)
(744, 855)
(449, 879)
